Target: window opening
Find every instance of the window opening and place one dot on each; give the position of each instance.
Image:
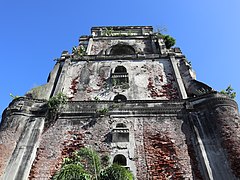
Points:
(122, 50)
(121, 125)
(120, 133)
(120, 69)
(120, 77)
(120, 98)
(120, 159)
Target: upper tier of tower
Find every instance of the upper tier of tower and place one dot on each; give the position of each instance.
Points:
(123, 63)
(121, 30)
(120, 40)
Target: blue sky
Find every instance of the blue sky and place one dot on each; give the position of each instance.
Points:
(34, 33)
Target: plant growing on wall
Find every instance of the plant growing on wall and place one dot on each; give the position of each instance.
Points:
(168, 40)
(105, 160)
(79, 50)
(13, 96)
(129, 33)
(229, 91)
(85, 164)
(189, 62)
(120, 84)
(96, 98)
(90, 160)
(108, 32)
(102, 111)
(72, 172)
(55, 102)
(54, 105)
(160, 29)
(116, 172)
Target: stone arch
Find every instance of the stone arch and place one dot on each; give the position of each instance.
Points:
(120, 159)
(120, 98)
(122, 49)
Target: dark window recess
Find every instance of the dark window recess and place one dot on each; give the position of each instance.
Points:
(121, 137)
(122, 50)
(120, 77)
(157, 45)
(120, 70)
(120, 133)
(120, 159)
(120, 98)
(121, 125)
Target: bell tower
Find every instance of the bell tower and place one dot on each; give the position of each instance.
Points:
(130, 97)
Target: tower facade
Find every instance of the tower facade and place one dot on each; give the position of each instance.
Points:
(131, 98)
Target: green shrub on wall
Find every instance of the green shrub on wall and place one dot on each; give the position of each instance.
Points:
(85, 164)
(79, 50)
(72, 172)
(168, 40)
(116, 172)
(56, 101)
(229, 92)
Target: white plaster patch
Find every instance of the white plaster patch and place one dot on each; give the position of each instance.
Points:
(94, 83)
(141, 80)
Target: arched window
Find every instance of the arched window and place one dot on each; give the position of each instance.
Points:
(122, 50)
(120, 133)
(120, 98)
(120, 77)
(120, 159)
(120, 125)
(120, 69)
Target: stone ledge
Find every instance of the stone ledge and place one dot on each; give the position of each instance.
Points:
(212, 100)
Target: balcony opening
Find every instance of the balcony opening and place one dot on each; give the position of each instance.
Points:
(122, 50)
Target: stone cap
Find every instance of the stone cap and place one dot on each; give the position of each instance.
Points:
(121, 30)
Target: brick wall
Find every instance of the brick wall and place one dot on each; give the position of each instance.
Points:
(165, 151)
(65, 137)
(228, 123)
